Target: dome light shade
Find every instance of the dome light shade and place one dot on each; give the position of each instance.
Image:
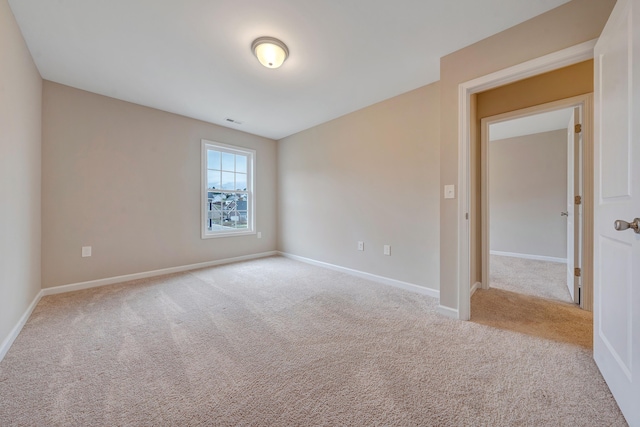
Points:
(270, 52)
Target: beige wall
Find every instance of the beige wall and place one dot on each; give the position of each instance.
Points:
(125, 179)
(570, 24)
(370, 176)
(527, 192)
(20, 149)
(574, 80)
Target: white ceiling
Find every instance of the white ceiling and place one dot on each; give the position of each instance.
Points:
(192, 57)
(529, 125)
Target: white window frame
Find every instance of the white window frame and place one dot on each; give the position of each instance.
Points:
(251, 162)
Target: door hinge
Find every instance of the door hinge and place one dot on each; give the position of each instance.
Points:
(578, 128)
(578, 200)
(577, 271)
(466, 216)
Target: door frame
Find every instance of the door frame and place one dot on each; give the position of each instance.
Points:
(543, 64)
(585, 103)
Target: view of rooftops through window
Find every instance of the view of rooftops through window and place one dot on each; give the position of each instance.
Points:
(227, 194)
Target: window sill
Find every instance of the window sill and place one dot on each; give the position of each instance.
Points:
(227, 234)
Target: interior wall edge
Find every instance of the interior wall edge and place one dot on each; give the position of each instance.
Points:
(15, 331)
(20, 177)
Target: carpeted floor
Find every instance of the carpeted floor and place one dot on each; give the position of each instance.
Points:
(540, 317)
(277, 342)
(542, 279)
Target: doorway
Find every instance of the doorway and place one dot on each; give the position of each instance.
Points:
(544, 229)
(531, 207)
(466, 209)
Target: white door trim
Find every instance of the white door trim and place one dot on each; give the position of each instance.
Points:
(552, 61)
(585, 104)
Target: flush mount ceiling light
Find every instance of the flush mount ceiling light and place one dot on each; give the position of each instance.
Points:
(270, 52)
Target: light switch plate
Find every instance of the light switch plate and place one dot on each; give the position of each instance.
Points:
(86, 251)
(449, 191)
(387, 250)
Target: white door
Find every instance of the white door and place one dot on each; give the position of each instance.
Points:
(572, 211)
(616, 344)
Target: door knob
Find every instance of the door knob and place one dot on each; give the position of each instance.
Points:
(623, 225)
(564, 213)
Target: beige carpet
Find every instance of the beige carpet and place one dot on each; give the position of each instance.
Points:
(276, 342)
(540, 317)
(542, 279)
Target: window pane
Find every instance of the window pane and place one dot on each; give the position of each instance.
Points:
(226, 198)
(241, 203)
(228, 211)
(228, 162)
(217, 198)
(241, 181)
(241, 164)
(234, 213)
(228, 181)
(214, 216)
(213, 159)
(213, 179)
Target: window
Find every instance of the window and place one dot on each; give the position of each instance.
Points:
(227, 190)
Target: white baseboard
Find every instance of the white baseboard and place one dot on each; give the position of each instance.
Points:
(146, 274)
(475, 287)
(8, 341)
(447, 311)
(373, 277)
(529, 256)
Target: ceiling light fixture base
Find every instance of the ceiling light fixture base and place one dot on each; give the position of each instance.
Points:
(270, 51)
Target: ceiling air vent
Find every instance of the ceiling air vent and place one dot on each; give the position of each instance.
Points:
(233, 121)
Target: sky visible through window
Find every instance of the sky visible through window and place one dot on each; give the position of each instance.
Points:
(226, 171)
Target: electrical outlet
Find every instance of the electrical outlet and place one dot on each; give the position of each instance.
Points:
(86, 251)
(361, 246)
(259, 234)
(387, 250)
